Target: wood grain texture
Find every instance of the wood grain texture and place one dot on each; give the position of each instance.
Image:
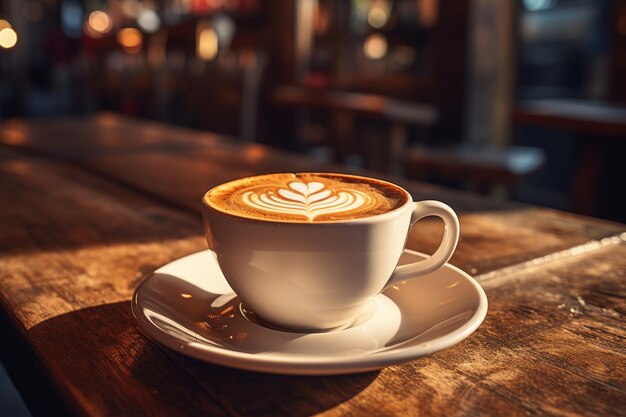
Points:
(73, 249)
(135, 154)
(78, 236)
(552, 344)
(494, 234)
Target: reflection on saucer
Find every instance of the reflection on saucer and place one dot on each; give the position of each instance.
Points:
(187, 305)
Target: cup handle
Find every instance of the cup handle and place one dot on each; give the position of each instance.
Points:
(446, 248)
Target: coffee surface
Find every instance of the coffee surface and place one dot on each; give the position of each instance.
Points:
(306, 197)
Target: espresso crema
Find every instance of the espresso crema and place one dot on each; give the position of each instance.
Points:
(306, 197)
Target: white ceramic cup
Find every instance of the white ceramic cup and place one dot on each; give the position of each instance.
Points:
(319, 276)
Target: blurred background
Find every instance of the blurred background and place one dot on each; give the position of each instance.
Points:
(519, 99)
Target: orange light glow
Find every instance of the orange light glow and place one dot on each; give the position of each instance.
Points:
(226, 310)
(8, 38)
(18, 167)
(98, 24)
(207, 44)
(254, 153)
(428, 12)
(13, 137)
(375, 46)
(130, 39)
(107, 119)
(4, 24)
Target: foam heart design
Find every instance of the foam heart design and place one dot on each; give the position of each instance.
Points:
(309, 200)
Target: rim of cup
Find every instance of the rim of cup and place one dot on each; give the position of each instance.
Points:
(359, 220)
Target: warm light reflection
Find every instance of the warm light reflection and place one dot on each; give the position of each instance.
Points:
(448, 301)
(4, 24)
(378, 14)
(8, 38)
(186, 295)
(377, 18)
(428, 12)
(168, 325)
(226, 310)
(222, 300)
(254, 153)
(98, 24)
(130, 39)
(18, 167)
(107, 119)
(207, 44)
(13, 137)
(375, 46)
(321, 19)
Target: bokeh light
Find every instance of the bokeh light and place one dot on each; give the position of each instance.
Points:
(131, 39)
(4, 24)
(98, 24)
(537, 5)
(72, 18)
(207, 44)
(375, 46)
(8, 38)
(378, 14)
(148, 20)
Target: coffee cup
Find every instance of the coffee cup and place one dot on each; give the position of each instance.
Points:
(309, 251)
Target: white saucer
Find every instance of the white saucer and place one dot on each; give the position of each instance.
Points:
(188, 306)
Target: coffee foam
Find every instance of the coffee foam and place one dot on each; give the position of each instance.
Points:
(306, 197)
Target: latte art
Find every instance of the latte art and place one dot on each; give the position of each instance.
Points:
(306, 197)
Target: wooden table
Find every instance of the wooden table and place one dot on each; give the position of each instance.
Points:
(91, 205)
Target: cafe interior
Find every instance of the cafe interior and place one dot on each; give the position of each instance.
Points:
(521, 100)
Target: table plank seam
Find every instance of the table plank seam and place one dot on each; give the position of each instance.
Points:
(508, 272)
